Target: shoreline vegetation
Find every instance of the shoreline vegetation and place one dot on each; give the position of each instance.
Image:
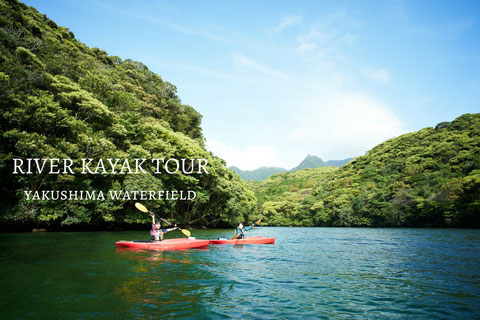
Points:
(63, 100)
(35, 228)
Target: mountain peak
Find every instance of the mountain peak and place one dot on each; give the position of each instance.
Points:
(310, 162)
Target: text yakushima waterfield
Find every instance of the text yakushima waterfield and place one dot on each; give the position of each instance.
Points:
(82, 195)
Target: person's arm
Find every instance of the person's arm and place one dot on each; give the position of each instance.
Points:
(168, 230)
(153, 218)
(152, 231)
(247, 228)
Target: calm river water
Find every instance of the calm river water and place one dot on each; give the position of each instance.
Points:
(310, 273)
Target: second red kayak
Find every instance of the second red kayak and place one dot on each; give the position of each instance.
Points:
(249, 240)
(168, 244)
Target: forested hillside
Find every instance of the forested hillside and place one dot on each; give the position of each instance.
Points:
(62, 99)
(287, 198)
(425, 178)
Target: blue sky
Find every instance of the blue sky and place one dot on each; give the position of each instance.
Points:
(277, 80)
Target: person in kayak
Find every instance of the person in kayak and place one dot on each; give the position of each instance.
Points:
(157, 232)
(241, 231)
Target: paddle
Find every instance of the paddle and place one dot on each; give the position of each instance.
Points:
(141, 207)
(238, 234)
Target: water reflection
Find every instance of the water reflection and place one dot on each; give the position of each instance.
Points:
(169, 282)
(155, 255)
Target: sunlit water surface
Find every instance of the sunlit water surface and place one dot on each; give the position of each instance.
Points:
(331, 273)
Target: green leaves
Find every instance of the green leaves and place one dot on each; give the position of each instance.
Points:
(61, 99)
(29, 59)
(425, 178)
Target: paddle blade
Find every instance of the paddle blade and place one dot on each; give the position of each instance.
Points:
(258, 221)
(186, 232)
(141, 207)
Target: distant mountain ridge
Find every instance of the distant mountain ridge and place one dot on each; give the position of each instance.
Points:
(259, 174)
(310, 161)
(338, 163)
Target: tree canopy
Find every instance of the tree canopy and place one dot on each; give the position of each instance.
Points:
(62, 99)
(425, 178)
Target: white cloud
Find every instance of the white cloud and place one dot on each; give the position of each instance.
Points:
(246, 158)
(380, 75)
(287, 21)
(333, 126)
(343, 124)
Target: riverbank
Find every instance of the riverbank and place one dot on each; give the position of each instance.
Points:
(30, 227)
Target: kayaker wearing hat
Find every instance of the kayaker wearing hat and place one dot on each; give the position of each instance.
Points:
(241, 231)
(157, 232)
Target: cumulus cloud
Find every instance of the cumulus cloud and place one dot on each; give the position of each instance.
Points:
(380, 75)
(320, 109)
(287, 21)
(246, 158)
(342, 124)
(335, 125)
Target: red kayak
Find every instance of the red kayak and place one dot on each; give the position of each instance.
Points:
(167, 244)
(250, 240)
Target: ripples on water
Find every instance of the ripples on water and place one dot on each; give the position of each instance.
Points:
(309, 273)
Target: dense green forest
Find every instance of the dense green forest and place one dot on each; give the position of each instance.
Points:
(286, 198)
(425, 178)
(62, 99)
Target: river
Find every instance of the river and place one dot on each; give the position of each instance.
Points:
(309, 273)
